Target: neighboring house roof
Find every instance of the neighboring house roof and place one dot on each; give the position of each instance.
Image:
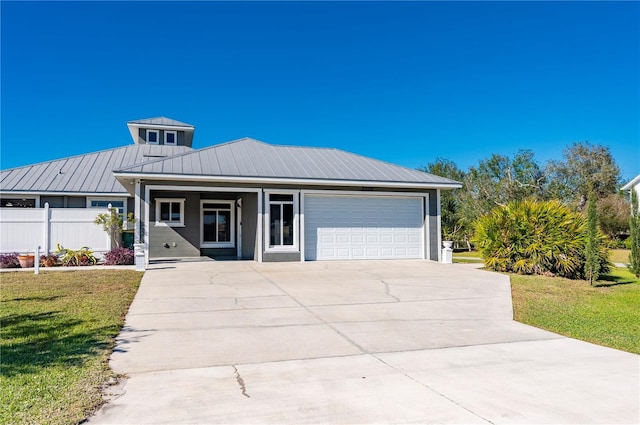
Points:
(633, 183)
(251, 159)
(161, 121)
(89, 173)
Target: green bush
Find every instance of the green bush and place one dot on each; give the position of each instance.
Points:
(535, 238)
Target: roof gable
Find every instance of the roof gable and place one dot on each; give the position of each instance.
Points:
(249, 158)
(160, 121)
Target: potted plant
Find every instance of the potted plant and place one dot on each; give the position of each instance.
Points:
(26, 260)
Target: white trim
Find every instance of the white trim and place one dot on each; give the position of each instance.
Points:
(259, 230)
(170, 223)
(427, 228)
(175, 137)
(438, 226)
(267, 220)
(364, 193)
(302, 244)
(160, 126)
(292, 182)
(239, 225)
(39, 194)
(146, 137)
(231, 243)
(147, 214)
(137, 210)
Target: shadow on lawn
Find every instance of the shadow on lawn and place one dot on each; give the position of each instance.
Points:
(614, 281)
(30, 342)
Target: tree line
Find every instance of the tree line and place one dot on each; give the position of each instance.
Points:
(584, 170)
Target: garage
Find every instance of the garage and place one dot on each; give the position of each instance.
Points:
(363, 227)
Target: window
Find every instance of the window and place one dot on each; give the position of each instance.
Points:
(170, 212)
(17, 203)
(282, 226)
(153, 136)
(218, 227)
(120, 204)
(170, 137)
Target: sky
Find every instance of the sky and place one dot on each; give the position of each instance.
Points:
(404, 82)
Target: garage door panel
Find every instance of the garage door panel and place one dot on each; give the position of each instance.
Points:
(341, 227)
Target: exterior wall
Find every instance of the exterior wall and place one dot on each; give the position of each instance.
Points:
(165, 241)
(187, 238)
(275, 257)
(64, 201)
(249, 226)
(434, 245)
(142, 136)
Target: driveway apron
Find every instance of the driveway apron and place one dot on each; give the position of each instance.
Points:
(403, 341)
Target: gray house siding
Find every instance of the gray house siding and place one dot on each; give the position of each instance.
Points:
(165, 241)
(434, 247)
(64, 201)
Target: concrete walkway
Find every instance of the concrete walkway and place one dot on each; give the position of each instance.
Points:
(353, 342)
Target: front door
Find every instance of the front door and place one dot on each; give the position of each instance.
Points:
(217, 224)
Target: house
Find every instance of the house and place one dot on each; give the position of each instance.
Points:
(634, 185)
(244, 199)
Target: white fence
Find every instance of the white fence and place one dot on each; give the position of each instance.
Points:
(23, 229)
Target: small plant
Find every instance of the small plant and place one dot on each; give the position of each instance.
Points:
(112, 223)
(79, 257)
(119, 257)
(9, 261)
(49, 260)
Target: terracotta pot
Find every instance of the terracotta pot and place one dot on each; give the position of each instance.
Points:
(26, 261)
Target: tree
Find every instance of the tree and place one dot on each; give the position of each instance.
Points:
(613, 215)
(452, 227)
(112, 223)
(634, 230)
(584, 167)
(592, 245)
(497, 181)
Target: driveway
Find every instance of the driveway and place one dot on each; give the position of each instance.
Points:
(352, 342)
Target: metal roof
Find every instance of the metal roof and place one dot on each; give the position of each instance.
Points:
(89, 173)
(249, 158)
(160, 121)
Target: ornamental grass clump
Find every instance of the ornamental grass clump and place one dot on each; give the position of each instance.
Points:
(531, 237)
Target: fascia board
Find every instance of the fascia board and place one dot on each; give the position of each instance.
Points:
(122, 177)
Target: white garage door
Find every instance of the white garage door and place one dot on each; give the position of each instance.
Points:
(344, 228)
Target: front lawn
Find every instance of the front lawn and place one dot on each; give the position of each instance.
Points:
(57, 331)
(607, 314)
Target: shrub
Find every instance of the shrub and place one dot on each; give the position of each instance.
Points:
(9, 261)
(119, 257)
(80, 257)
(49, 260)
(535, 238)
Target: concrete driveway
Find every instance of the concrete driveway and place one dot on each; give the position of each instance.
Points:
(353, 342)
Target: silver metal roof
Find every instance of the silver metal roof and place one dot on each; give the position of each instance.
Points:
(89, 173)
(250, 158)
(160, 121)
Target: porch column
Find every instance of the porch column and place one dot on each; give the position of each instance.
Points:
(137, 213)
(259, 232)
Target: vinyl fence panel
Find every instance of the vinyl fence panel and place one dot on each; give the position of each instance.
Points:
(22, 229)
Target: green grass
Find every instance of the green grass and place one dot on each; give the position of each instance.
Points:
(619, 255)
(57, 331)
(607, 314)
(467, 257)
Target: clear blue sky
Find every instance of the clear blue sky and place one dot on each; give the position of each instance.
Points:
(404, 82)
